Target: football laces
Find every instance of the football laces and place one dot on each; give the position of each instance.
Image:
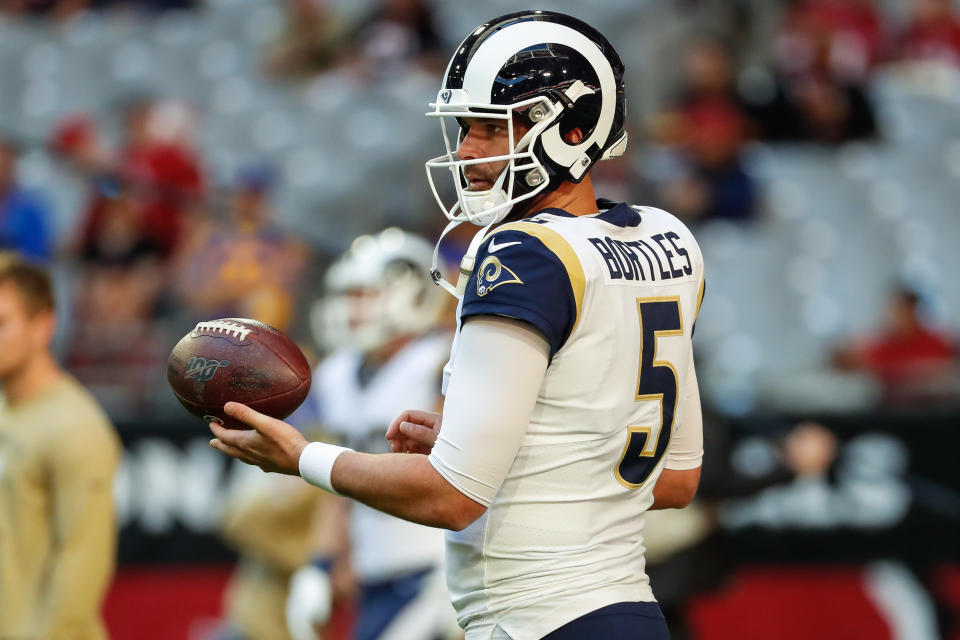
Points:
(224, 328)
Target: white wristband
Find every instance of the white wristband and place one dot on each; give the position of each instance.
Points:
(316, 463)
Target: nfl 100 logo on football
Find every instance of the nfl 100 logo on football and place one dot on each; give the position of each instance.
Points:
(201, 370)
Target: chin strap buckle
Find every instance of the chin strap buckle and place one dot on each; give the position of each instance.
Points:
(466, 264)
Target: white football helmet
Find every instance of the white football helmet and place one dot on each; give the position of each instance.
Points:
(554, 71)
(378, 290)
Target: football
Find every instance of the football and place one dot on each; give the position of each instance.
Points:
(240, 360)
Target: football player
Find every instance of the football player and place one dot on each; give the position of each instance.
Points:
(376, 319)
(268, 520)
(572, 404)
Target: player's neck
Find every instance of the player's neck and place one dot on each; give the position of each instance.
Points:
(576, 198)
(38, 375)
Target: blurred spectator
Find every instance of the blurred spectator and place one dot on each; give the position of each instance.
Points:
(399, 34)
(158, 154)
(846, 34)
(157, 167)
(79, 144)
(913, 361)
(111, 224)
(118, 238)
(66, 9)
(824, 55)
(117, 353)
(130, 224)
(77, 140)
(829, 111)
(394, 37)
(708, 126)
(58, 9)
(247, 267)
(24, 216)
(113, 348)
(312, 40)
(708, 83)
(712, 183)
(809, 449)
(933, 34)
(145, 5)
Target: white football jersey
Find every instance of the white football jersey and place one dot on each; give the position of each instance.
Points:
(382, 546)
(616, 294)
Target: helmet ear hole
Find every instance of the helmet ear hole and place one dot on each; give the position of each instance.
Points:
(584, 116)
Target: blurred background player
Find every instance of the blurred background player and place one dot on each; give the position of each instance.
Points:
(58, 455)
(378, 317)
(268, 520)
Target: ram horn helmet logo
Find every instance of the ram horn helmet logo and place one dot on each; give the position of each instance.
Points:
(445, 96)
(201, 369)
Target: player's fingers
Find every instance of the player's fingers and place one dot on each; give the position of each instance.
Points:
(393, 434)
(227, 436)
(231, 451)
(396, 446)
(259, 421)
(400, 443)
(418, 433)
(394, 429)
(246, 440)
(426, 418)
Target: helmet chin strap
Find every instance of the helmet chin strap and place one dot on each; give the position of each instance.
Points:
(483, 210)
(487, 207)
(466, 264)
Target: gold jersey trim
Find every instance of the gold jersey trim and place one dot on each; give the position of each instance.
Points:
(561, 248)
(703, 284)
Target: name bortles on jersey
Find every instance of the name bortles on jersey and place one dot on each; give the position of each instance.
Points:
(616, 295)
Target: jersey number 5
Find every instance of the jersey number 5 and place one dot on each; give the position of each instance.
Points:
(656, 380)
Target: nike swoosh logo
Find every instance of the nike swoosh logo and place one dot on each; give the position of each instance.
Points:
(493, 247)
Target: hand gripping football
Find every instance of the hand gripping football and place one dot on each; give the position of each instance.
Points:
(240, 360)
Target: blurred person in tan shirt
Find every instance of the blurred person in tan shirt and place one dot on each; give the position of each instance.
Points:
(268, 520)
(58, 455)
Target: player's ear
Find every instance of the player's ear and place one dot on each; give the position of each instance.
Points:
(44, 326)
(574, 136)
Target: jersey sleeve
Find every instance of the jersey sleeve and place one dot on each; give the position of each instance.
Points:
(686, 445)
(531, 275)
(482, 432)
